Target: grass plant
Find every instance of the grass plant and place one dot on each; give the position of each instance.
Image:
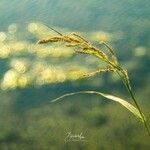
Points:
(82, 46)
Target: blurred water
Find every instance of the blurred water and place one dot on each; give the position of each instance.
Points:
(44, 74)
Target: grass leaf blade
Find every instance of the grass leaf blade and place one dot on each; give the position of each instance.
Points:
(123, 102)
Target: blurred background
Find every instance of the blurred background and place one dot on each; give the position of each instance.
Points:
(31, 75)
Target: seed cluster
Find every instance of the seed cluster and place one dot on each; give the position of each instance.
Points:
(82, 46)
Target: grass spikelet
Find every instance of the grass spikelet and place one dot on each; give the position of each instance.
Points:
(100, 71)
(80, 37)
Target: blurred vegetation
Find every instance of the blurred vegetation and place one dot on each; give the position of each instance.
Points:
(32, 75)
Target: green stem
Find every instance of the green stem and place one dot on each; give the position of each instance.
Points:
(126, 82)
(128, 86)
(139, 109)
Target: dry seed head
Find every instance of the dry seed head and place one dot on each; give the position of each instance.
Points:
(72, 45)
(52, 39)
(80, 37)
(96, 52)
(114, 58)
(99, 72)
(72, 39)
(81, 42)
(59, 39)
(47, 40)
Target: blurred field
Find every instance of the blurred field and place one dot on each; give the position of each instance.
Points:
(32, 75)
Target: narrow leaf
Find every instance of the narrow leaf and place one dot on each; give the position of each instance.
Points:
(123, 102)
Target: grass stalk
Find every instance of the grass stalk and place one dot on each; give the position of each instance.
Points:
(85, 47)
